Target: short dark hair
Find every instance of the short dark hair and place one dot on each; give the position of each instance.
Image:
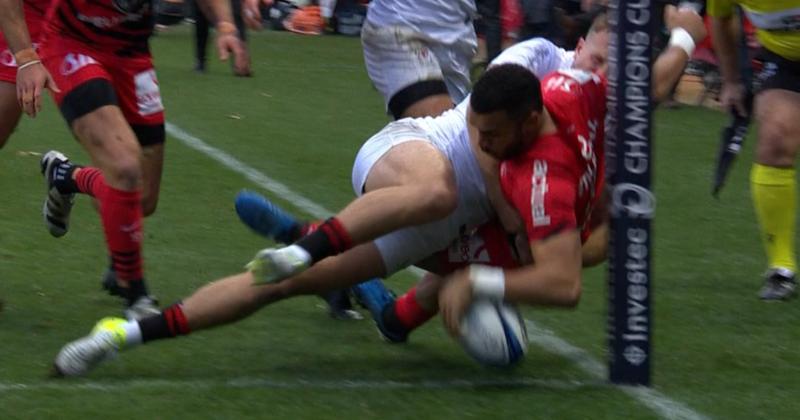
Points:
(507, 87)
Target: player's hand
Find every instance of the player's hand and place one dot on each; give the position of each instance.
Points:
(31, 81)
(732, 96)
(229, 43)
(454, 299)
(251, 13)
(688, 19)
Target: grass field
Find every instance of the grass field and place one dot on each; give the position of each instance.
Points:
(718, 350)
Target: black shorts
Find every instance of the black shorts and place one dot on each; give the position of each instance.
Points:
(778, 73)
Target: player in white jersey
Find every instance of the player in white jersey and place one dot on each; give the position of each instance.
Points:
(392, 196)
(418, 53)
(408, 181)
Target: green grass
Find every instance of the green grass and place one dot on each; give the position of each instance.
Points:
(301, 120)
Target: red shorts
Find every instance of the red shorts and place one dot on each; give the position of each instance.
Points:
(488, 245)
(72, 65)
(8, 65)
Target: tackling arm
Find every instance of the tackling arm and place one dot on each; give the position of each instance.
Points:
(219, 12)
(687, 29)
(555, 278)
(12, 23)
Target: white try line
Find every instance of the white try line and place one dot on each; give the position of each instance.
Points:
(250, 382)
(656, 401)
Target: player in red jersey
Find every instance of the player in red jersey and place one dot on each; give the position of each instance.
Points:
(98, 53)
(11, 58)
(506, 105)
(554, 182)
(508, 120)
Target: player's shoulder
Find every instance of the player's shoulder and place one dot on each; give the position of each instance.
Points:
(533, 53)
(565, 78)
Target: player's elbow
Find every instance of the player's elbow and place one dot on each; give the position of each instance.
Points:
(565, 290)
(660, 92)
(570, 291)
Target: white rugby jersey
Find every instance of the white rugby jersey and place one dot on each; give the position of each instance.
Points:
(442, 20)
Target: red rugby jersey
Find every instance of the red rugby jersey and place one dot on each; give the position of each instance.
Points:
(104, 25)
(557, 181)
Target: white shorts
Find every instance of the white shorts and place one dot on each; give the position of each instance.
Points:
(410, 245)
(397, 57)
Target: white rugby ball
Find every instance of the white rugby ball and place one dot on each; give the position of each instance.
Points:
(493, 333)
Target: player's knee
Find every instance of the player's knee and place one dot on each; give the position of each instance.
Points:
(125, 173)
(439, 200)
(776, 147)
(149, 204)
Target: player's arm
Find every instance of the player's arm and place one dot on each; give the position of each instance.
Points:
(595, 247)
(537, 55)
(687, 30)
(725, 31)
(219, 12)
(554, 280)
(12, 23)
(32, 77)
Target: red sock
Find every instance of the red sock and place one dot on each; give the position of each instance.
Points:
(309, 227)
(90, 181)
(121, 213)
(171, 322)
(176, 320)
(409, 312)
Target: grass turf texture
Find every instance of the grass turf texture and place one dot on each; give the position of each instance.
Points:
(300, 121)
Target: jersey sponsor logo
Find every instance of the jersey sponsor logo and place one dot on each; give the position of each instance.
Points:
(105, 22)
(7, 58)
(74, 62)
(469, 247)
(148, 96)
(539, 193)
(589, 176)
(780, 20)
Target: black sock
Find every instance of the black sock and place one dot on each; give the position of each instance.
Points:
(329, 239)
(134, 291)
(62, 178)
(390, 320)
(171, 322)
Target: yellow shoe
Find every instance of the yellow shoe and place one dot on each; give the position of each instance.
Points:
(80, 356)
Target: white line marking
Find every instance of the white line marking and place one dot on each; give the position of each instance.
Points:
(112, 385)
(656, 401)
(252, 174)
(652, 399)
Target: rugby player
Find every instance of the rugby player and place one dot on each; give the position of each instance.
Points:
(397, 318)
(403, 182)
(418, 54)
(507, 117)
(98, 53)
(777, 111)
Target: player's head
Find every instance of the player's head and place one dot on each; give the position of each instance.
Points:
(591, 54)
(506, 110)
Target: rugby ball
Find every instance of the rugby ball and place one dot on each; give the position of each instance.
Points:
(494, 334)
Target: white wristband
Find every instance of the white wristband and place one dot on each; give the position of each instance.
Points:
(487, 282)
(680, 37)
